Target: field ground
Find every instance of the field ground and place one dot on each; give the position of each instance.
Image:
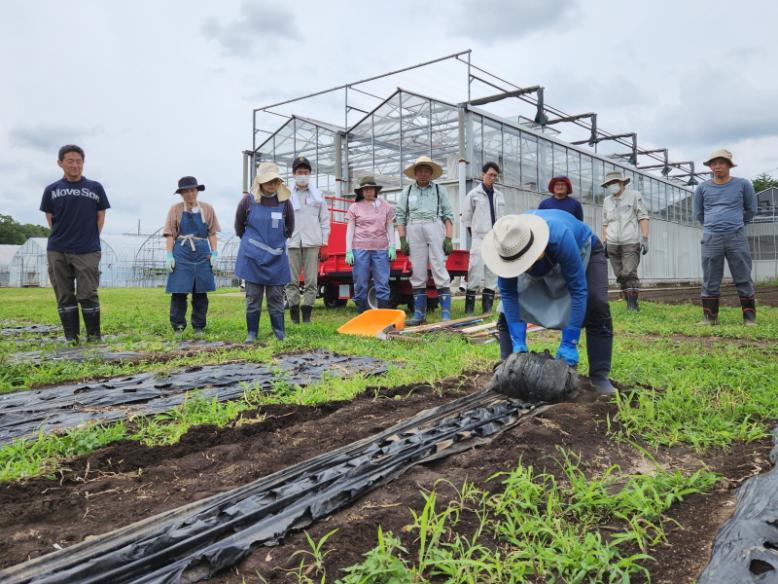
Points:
(628, 489)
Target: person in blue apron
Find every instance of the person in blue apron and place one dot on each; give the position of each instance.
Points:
(190, 235)
(264, 220)
(552, 272)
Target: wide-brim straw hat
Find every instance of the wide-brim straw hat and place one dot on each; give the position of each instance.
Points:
(437, 170)
(268, 171)
(613, 176)
(367, 181)
(514, 244)
(720, 153)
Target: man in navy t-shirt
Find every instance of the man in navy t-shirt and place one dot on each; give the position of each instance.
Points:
(75, 210)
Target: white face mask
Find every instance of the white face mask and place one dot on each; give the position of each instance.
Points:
(613, 189)
(302, 180)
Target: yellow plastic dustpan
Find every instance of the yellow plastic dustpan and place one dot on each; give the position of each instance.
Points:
(372, 322)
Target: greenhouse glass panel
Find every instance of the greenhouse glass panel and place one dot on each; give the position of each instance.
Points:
(529, 162)
(574, 169)
(511, 168)
(586, 194)
(492, 143)
(545, 164)
(560, 160)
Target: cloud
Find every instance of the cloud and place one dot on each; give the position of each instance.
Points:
(48, 139)
(256, 24)
(489, 22)
(718, 112)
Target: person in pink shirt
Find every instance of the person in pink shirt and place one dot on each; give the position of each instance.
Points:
(370, 243)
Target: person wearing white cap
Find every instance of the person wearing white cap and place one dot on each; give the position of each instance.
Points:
(264, 220)
(425, 223)
(552, 271)
(625, 233)
(723, 205)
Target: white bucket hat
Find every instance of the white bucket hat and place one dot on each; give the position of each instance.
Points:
(615, 175)
(720, 153)
(514, 244)
(437, 170)
(268, 171)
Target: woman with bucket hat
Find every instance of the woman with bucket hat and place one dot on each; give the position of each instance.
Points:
(370, 243)
(425, 223)
(561, 188)
(190, 235)
(551, 271)
(264, 220)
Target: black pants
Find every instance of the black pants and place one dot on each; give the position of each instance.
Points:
(178, 310)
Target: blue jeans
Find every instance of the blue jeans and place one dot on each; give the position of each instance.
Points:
(367, 262)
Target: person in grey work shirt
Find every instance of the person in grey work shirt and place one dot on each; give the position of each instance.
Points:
(425, 225)
(724, 204)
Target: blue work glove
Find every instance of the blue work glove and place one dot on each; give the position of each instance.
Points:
(568, 348)
(518, 332)
(350, 258)
(170, 262)
(214, 255)
(392, 253)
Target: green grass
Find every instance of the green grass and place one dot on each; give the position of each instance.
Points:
(581, 528)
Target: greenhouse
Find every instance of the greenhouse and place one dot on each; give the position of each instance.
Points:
(462, 136)
(7, 253)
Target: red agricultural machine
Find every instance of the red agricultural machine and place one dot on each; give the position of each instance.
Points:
(337, 286)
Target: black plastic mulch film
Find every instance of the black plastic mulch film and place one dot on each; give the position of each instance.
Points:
(191, 543)
(105, 354)
(25, 413)
(745, 550)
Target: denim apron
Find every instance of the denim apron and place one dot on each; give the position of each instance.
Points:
(192, 252)
(262, 257)
(545, 300)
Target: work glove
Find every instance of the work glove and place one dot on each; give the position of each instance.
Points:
(605, 247)
(392, 251)
(518, 332)
(170, 262)
(214, 255)
(448, 246)
(404, 247)
(644, 244)
(350, 257)
(568, 348)
(324, 253)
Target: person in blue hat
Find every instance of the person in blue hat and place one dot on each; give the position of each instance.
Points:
(264, 221)
(190, 234)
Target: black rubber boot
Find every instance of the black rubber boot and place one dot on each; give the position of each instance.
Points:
(294, 313)
(600, 351)
(748, 304)
(277, 324)
(487, 300)
(469, 302)
(635, 295)
(91, 312)
(384, 304)
(710, 310)
(629, 295)
(71, 324)
(252, 326)
(504, 338)
(306, 310)
(419, 308)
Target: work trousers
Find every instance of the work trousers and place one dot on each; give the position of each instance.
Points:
(178, 310)
(275, 304)
(367, 262)
(478, 274)
(733, 246)
(307, 260)
(625, 259)
(425, 238)
(598, 321)
(74, 277)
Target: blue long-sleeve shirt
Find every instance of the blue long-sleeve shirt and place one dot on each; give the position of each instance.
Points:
(567, 237)
(724, 208)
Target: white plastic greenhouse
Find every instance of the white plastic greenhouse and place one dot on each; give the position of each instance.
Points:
(7, 252)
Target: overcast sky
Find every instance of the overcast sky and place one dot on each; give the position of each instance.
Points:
(156, 90)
